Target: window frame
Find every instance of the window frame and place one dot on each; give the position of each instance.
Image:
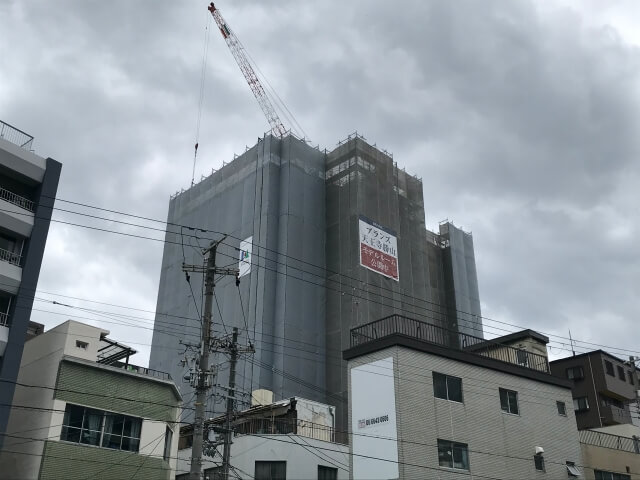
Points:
(449, 447)
(271, 463)
(571, 372)
(511, 396)
(102, 435)
(606, 475)
(621, 373)
(564, 408)
(586, 402)
(608, 368)
(326, 470)
(446, 379)
(168, 440)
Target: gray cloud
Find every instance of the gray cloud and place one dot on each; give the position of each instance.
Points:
(520, 120)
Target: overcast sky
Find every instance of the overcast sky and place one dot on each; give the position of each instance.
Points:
(521, 117)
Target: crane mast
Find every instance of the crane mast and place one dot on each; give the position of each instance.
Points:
(252, 79)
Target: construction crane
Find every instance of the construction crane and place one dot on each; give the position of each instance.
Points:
(237, 50)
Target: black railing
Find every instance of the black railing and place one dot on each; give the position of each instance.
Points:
(427, 332)
(606, 440)
(15, 136)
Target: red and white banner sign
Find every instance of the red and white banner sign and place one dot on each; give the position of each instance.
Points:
(378, 248)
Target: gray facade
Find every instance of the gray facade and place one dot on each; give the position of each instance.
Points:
(603, 385)
(28, 186)
(307, 287)
(273, 193)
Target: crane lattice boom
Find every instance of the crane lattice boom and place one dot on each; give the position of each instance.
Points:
(252, 79)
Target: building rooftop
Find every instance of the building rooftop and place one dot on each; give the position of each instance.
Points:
(15, 136)
(509, 339)
(398, 330)
(587, 354)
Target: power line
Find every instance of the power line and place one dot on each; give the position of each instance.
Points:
(286, 256)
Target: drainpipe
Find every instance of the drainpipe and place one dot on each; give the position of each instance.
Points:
(594, 391)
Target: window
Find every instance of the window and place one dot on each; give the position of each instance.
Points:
(82, 345)
(270, 470)
(214, 473)
(447, 387)
(610, 402)
(99, 428)
(630, 377)
(509, 401)
(453, 455)
(562, 408)
(572, 471)
(608, 366)
(538, 461)
(621, 374)
(575, 373)
(521, 357)
(327, 473)
(5, 305)
(168, 436)
(603, 475)
(580, 404)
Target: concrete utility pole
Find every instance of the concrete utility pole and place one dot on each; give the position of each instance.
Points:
(226, 454)
(204, 376)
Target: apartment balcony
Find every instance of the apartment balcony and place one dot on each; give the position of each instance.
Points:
(16, 136)
(10, 271)
(16, 212)
(4, 332)
(398, 325)
(612, 415)
(16, 154)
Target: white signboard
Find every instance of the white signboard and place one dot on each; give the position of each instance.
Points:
(373, 421)
(245, 256)
(378, 248)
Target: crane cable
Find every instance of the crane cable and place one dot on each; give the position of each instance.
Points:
(201, 98)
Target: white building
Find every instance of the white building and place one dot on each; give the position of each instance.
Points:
(288, 439)
(420, 409)
(81, 410)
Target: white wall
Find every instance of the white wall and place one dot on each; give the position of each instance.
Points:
(302, 454)
(373, 414)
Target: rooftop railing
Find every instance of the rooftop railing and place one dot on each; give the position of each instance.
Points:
(143, 370)
(4, 319)
(15, 136)
(606, 440)
(427, 332)
(10, 257)
(288, 426)
(17, 200)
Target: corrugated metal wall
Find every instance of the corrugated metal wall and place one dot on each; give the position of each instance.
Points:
(82, 462)
(98, 388)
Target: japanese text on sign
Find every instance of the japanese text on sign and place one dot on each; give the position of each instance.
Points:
(378, 248)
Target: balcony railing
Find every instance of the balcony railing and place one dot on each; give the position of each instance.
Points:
(16, 200)
(10, 257)
(143, 370)
(288, 426)
(4, 319)
(15, 136)
(426, 332)
(606, 440)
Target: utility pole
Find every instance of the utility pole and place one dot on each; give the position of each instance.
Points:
(204, 376)
(226, 454)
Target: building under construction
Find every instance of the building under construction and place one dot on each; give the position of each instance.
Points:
(325, 241)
